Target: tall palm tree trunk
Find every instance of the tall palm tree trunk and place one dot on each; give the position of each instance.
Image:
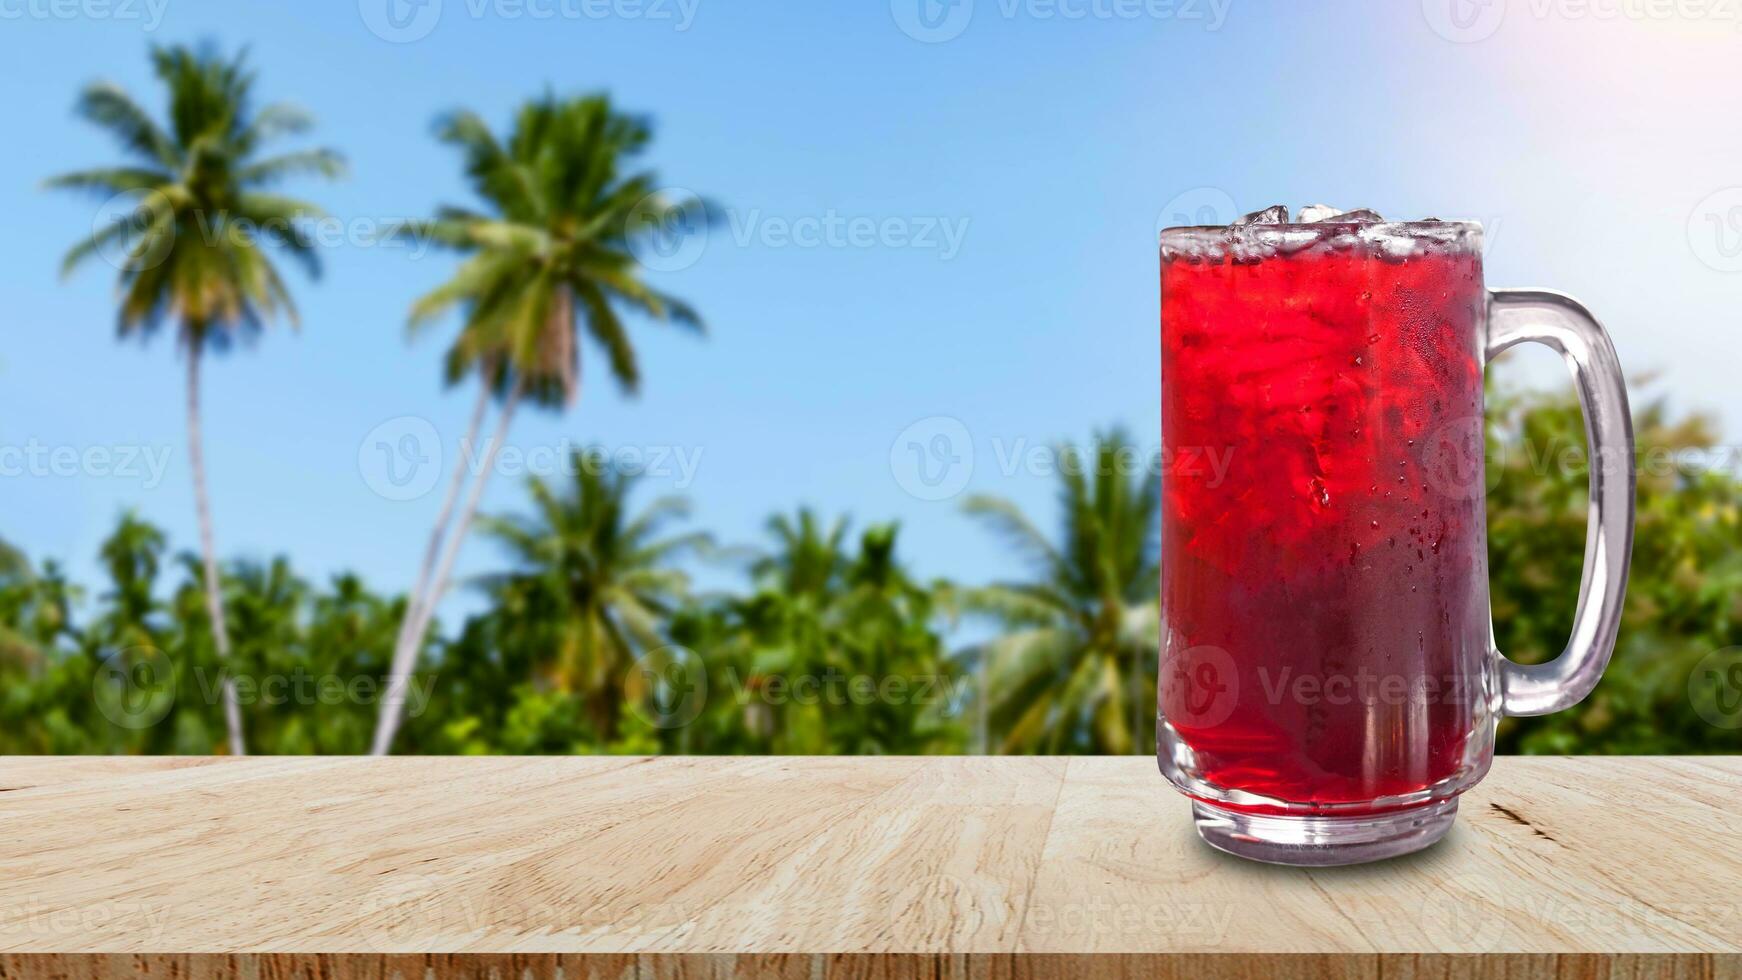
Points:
(393, 703)
(981, 705)
(404, 650)
(209, 554)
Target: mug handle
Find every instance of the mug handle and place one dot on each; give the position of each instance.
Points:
(1559, 322)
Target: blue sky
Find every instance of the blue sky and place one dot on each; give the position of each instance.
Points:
(1599, 144)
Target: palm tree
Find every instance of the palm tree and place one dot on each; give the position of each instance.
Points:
(554, 255)
(192, 248)
(1075, 671)
(825, 615)
(132, 554)
(597, 581)
(35, 609)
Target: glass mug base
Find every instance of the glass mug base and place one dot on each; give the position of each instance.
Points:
(1319, 841)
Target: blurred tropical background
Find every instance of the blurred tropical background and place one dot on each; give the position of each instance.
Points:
(590, 605)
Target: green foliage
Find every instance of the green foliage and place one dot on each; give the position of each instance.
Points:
(201, 213)
(556, 249)
(593, 639)
(1684, 595)
(832, 651)
(1074, 669)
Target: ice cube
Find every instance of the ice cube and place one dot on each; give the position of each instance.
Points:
(1359, 216)
(1276, 214)
(1316, 212)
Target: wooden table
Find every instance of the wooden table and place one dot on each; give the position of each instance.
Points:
(553, 868)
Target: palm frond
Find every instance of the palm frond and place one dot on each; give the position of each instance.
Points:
(110, 107)
(273, 121)
(605, 328)
(1013, 525)
(112, 180)
(320, 162)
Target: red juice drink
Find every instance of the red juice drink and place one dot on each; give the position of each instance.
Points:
(1324, 595)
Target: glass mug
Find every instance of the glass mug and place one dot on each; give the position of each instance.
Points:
(1329, 681)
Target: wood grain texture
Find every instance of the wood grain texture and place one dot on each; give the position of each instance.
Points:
(868, 966)
(802, 866)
